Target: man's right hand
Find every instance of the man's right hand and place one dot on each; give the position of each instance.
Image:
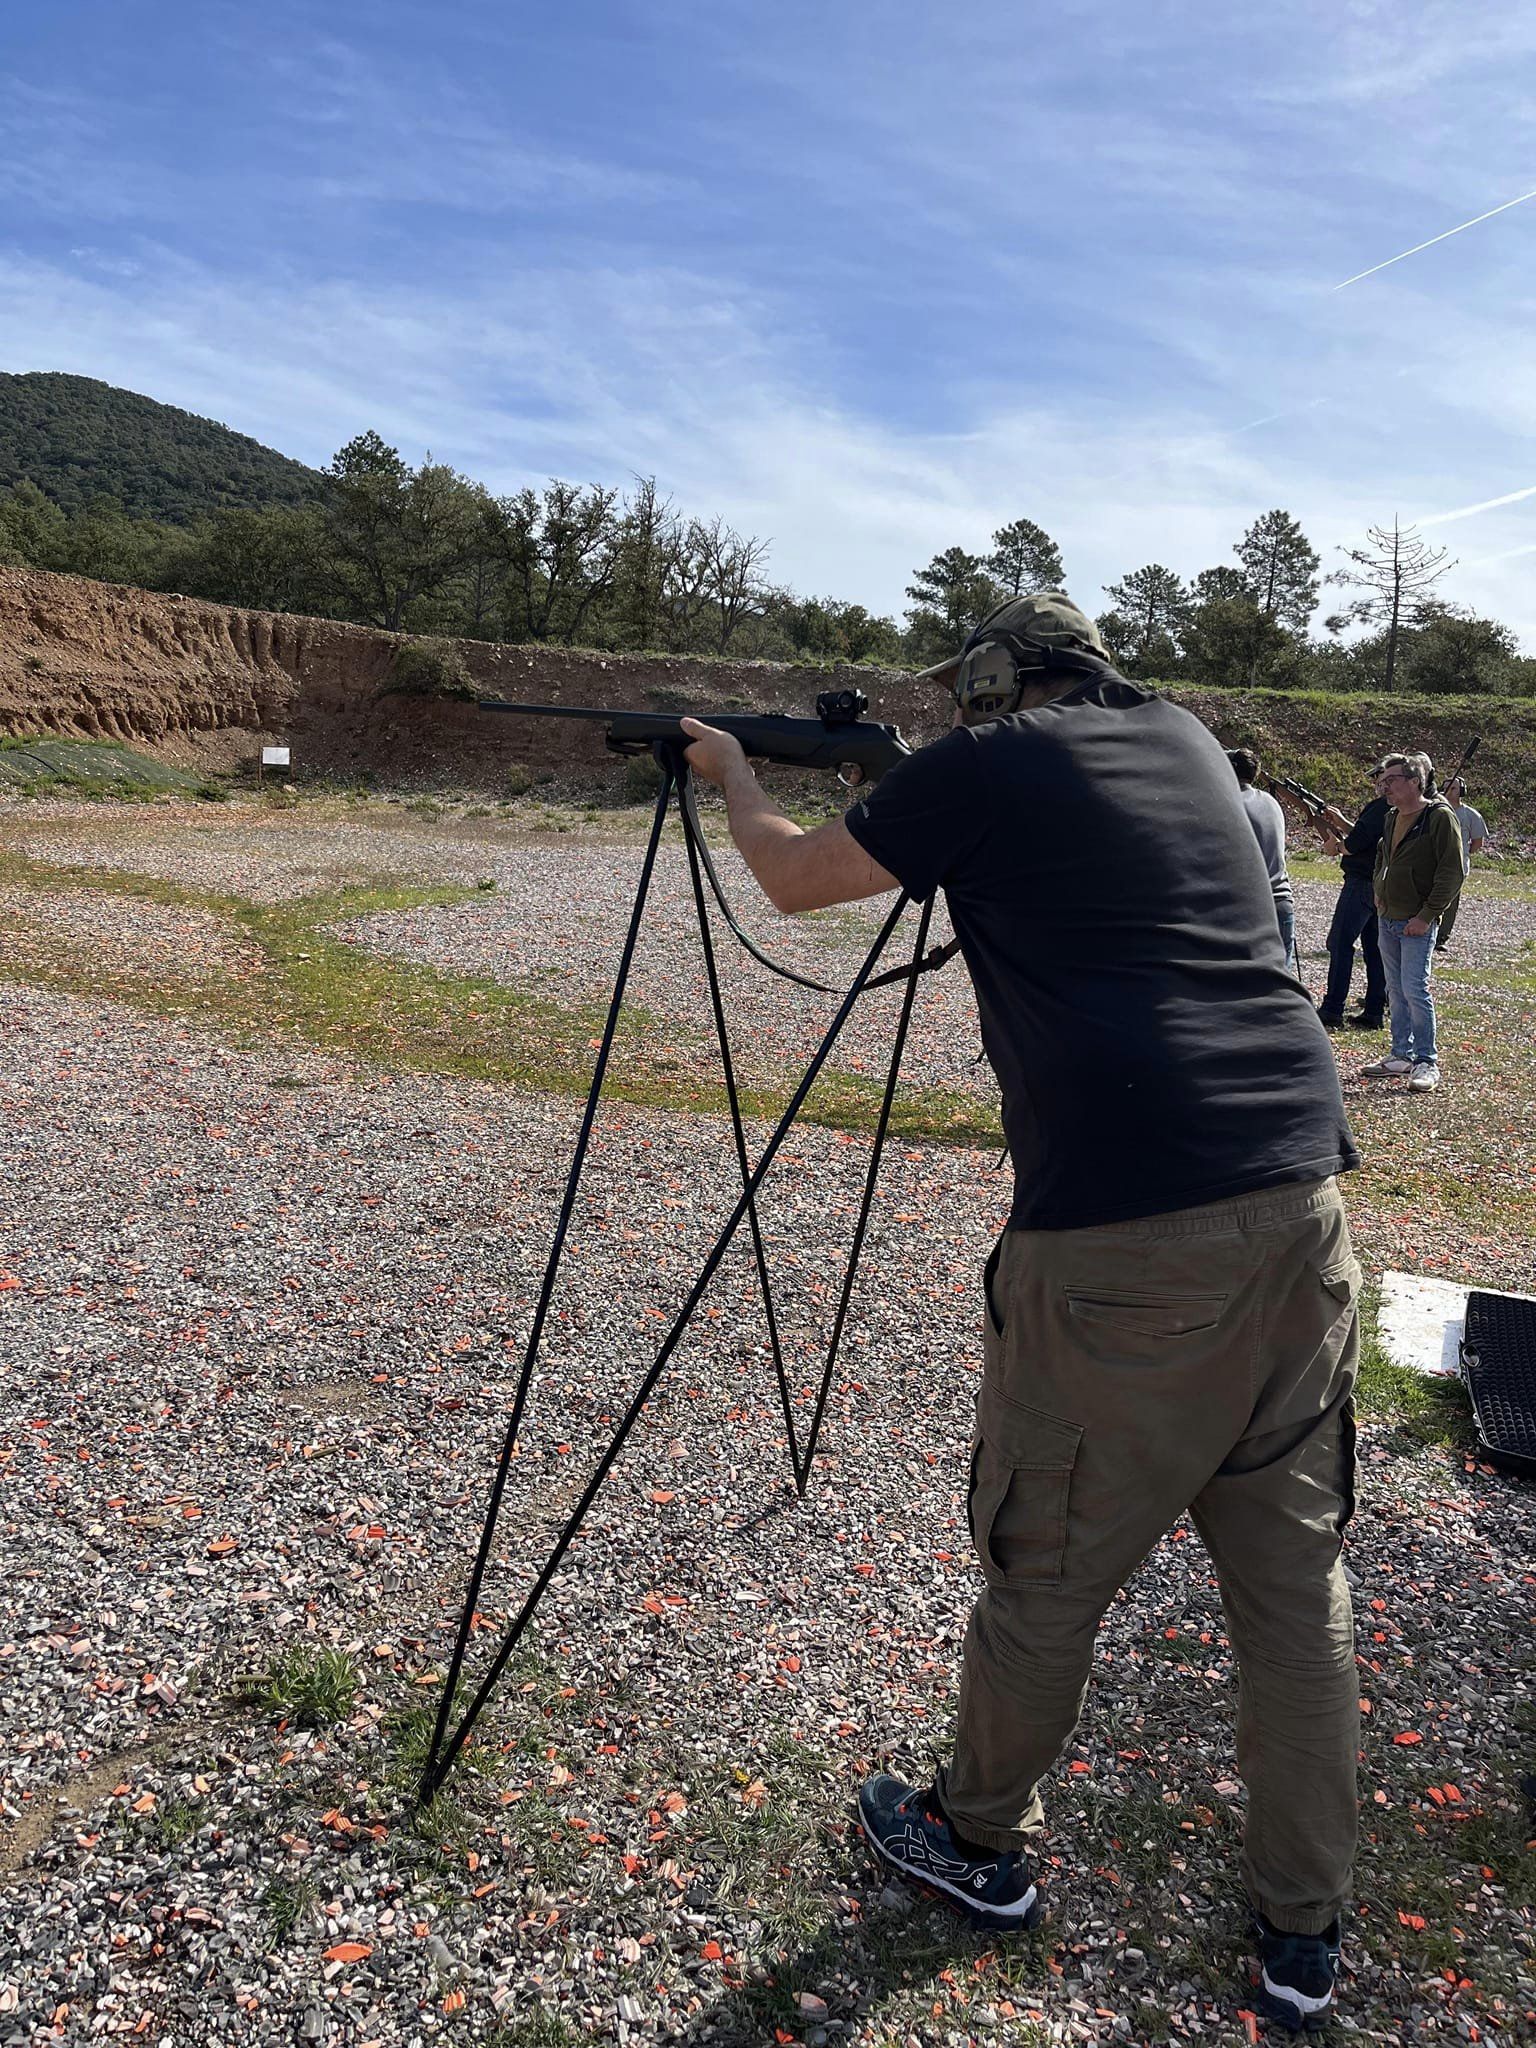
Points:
(713, 754)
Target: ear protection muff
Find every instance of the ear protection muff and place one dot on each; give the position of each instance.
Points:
(990, 678)
(997, 664)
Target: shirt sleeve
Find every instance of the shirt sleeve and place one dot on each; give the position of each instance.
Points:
(1365, 834)
(1449, 871)
(926, 816)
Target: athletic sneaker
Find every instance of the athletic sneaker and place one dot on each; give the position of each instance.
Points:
(1390, 1066)
(908, 1830)
(1298, 1974)
(1425, 1075)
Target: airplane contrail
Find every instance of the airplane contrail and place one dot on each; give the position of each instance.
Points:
(1488, 505)
(1506, 555)
(1508, 203)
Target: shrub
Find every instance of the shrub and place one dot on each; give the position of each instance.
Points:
(429, 668)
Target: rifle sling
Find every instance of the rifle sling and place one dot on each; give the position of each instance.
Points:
(934, 958)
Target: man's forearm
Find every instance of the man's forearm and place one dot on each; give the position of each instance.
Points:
(760, 829)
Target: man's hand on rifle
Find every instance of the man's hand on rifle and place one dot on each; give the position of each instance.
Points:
(714, 755)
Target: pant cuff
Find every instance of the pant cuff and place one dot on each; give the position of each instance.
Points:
(1296, 1919)
(1003, 1839)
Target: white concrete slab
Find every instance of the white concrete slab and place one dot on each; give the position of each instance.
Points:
(1420, 1321)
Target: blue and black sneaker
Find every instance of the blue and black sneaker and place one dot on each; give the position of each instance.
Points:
(1298, 1974)
(907, 1829)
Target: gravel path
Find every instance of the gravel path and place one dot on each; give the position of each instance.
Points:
(269, 856)
(162, 942)
(260, 1314)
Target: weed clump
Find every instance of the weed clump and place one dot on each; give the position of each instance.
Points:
(306, 1686)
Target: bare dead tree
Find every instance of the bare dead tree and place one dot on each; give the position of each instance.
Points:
(733, 572)
(1394, 573)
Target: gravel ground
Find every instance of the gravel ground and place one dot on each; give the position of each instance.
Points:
(164, 942)
(536, 932)
(268, 855)
(257, 1360)
(260, 1314)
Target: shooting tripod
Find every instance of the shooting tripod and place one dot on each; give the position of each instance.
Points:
(448, 1739)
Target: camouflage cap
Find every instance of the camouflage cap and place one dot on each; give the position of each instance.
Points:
(1044, 619)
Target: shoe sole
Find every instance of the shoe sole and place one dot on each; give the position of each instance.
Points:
(1284, 2014)
(981, 1916)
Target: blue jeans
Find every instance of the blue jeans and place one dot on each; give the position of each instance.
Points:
(1354, 917)
(1285, 917)
(1407, 962)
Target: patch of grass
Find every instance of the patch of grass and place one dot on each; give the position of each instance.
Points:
(173, 1821)
(285, 1902)
(305, 1685)
(538, 2028)
(343, 999)
(97, 769)
(1421, 1408)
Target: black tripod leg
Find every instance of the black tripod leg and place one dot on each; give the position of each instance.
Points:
(541, 1309)
(690, 838)
(441, 1760)
(909, 994)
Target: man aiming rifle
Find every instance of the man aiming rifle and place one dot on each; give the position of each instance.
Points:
(1170, 1314)
(1354, 913)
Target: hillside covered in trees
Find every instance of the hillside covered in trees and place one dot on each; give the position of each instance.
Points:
(80, 441)
(101, 483)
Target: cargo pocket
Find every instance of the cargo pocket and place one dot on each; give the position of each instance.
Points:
(1021, 1479)
(1341, 1289)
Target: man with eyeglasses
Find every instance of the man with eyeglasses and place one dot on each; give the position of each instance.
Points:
(1418, 877)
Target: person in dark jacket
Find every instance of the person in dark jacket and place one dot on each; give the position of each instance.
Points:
(1354, 914)
(1418, 877)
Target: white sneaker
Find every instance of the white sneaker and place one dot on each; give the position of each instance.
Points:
(1391, 1065)
(1425, 1075)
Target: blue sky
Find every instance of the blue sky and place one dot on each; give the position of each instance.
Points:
(868, 279)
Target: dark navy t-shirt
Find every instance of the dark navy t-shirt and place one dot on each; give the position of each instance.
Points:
(1115, 912)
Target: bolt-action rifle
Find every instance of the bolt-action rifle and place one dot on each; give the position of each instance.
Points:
(1314, 805)
(1459, 772)
(839, 736)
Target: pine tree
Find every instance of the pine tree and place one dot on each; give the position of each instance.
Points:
(1024, 557)
(1280, 566)
(1150, 607)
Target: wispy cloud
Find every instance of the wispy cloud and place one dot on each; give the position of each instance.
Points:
(804, 274)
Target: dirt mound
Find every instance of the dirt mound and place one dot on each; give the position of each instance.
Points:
(207, 684)
(204, 685)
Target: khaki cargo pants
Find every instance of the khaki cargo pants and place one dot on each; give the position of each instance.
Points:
(1201, 1360)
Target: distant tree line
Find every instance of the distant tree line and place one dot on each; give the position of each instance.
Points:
(429, 551)
(1249, 621)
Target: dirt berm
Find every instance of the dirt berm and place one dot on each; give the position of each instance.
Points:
(205, 685)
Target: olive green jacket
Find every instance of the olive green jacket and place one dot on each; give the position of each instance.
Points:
(1423, 877)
